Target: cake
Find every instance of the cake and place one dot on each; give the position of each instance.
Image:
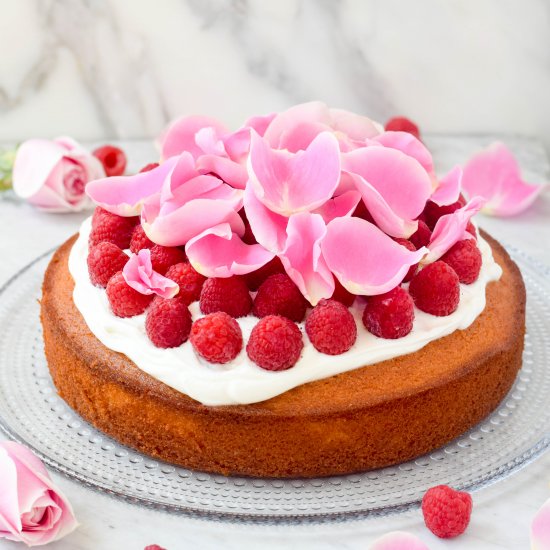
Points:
(376, 324)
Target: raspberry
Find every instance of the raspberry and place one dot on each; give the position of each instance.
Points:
(124, 300)
(342, 295)
(275, 343)
(331, 327)
(163, 257)
(435, 289)
(361, 211)
(278, 295)
(402, 124)
(140, 240)
(104, 260)
(190, 281)
(149, 167)
(168, 322)
(256, 278)
(446, 511)
(432, 211)
(154, 547)
(389, 315)
(471, 228)
(465, 258)
(230, 295)
(107, 227)
(409, 246)
(421, 237)
(217, 337)
(112, 158)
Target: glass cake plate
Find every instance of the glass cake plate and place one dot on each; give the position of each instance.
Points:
(31, 412)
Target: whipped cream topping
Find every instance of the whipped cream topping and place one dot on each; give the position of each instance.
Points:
(241, 381)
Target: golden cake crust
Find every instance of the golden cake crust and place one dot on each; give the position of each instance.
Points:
(366, 418)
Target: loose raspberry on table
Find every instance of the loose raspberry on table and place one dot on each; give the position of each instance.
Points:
(256, 278)
(446, 511)
(163, 257)
(432, 211)
(149, 167)
(104, 260)
(189, 280)
(409, 246)
(217, 337)
(278, 295)
(389, 315)
(230, 295)
(342, 295)
(402, 124)
(140, 240)
(154, 547)
(107, 227)
(435, 289)
(112, 158)
(275, 343)
(331, 327)
(465, 258)
(123, 299)
(168, 322)
(421, 237)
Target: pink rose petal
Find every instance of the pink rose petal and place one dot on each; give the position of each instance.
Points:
(448, 189)
(218, 252)
(402, 187)
(139, 274)
(260, 123)
(364, 259)
(451, 228)
(540, 528)
(340, 206)
(408, 144)
(229, 171)
(354, 126)
(289, 183)
(398, 540)
(495, 175)
(302, 257)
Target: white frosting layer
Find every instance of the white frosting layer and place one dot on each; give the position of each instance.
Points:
(241, 381)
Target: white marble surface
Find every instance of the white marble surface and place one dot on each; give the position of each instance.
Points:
(123, 68)
(502, 513)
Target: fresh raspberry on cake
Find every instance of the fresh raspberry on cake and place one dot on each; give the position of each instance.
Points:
(275, 343)
(123, 299)
(112, 158)
(389, 315)
(149, 167)
(421, 237)
(446, 511)
(432, 211)
(163, 257)
(436, 289)
(107, 227)
(402, 124)
(331, 327)
(226, 294)
(256, 278)
(465, 258)
(140, 240)
(341, 294)
(217, 337)
(104, 260)
(168, 322)
(471, 228)
(409, 246)
(278, 295)
(189, 280)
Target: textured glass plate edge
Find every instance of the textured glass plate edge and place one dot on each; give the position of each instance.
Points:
(485, 480)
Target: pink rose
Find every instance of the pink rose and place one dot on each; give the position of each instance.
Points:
(52, 175)
(32, 509)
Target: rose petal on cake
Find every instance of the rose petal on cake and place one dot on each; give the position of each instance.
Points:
(180, 135)
(495, 175)
(408, 144)
(125, 195)
(268, 228)
(398, 540)
(302, 258)
(364, 259)
(229, 171)
(340, 206)
(540, 528)
(260, 123)
(356, 127)
(139, 274)
(451, 228)
(282, 181)
(403, 186)
(448, 189)
(218, 252)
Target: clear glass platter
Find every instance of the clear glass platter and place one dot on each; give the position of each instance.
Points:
(31, 412)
